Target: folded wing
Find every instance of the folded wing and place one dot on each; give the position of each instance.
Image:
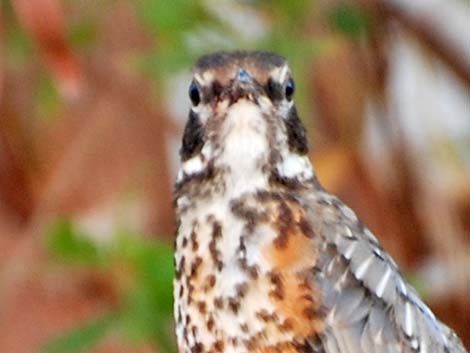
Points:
(369, 307)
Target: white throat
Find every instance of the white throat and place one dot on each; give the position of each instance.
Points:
(246, 147)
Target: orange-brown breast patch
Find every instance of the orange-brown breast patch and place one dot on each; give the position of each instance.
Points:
(282, 347)
(293, 256)
(293, 248)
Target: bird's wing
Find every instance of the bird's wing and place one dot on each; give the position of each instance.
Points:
(368, 305)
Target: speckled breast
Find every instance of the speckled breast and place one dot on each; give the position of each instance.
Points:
(244, 276)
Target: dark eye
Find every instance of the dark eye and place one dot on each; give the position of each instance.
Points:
(194, 94)
(290, 89)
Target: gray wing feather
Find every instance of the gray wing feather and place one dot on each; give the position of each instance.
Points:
(369, 307)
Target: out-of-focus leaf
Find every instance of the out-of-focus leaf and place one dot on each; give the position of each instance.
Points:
(349, 19)
(288, 10)
(66, 243)
(82, 338)
(148, 306)
(82, 34)
(172, 23)
(152, 263)
(48, 101)
(147, 303)
(19, 46)
(143, 320)
(170, 18)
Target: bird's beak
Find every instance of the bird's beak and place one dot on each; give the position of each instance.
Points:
(243, 77)
(243, 86)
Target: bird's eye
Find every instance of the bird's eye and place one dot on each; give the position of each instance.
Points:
(194, 94)
(290, 89)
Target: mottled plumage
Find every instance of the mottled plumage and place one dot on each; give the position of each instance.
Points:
(266, 260)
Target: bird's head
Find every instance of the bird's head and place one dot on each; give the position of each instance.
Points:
(243, 129)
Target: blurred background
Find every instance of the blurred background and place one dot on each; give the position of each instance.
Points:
(93, 99)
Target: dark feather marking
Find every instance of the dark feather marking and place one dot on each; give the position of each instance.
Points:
(193, 137)
(292, 184)
(197, 179)
(296, 135)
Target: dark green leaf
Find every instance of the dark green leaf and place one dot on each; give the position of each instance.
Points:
(83, 338)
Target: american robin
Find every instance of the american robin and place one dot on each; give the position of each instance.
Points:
(266, 259)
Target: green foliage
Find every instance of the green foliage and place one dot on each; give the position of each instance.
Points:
(146, 275)
(68, 244)
(147, 312)
(171, 18)
(82, 34)
(47, 100)
(19, 47)
(170, 22)
(173, 23)
(351, 20)
(83, 338)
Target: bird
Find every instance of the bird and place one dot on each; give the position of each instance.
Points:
(266, 260)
